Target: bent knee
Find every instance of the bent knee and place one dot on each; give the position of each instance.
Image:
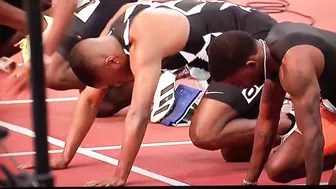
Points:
(202, 138)
(272, 170)
(276, 173)
(233, 155)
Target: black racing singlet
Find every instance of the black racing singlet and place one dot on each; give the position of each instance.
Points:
(286, 35)
(207, 20)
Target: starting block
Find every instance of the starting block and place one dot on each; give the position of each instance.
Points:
(7, 64)
(185, 105)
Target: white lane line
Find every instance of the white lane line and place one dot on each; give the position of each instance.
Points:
(143, 145)
(95, 155)
(6, 102)
(321, 183)
(98, 148)
(16, 154)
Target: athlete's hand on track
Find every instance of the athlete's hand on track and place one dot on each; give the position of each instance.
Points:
(114, 181)
(54, 164)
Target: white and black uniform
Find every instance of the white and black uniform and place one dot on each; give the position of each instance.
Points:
(89, 21)
(207, 21)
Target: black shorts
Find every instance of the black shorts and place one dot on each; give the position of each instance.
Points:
(92, 26)
(244, 101)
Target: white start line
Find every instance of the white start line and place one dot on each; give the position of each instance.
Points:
(98, 148)
(7, 102)
(89, 152)
(95, 155)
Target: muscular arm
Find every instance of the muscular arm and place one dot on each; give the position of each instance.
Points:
(62, 14)
(266, 128)
(305, 93)
(83, 118)
(85, 114)
(149, 47)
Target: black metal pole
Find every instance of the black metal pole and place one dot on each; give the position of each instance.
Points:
(42, 172)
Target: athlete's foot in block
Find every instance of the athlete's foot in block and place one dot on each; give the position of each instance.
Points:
(114, 181)
(54, 164)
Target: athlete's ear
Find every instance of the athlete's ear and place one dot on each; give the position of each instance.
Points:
(110, 60)
(251, 64)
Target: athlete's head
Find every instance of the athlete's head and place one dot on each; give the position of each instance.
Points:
(100, 62)
(235, 58)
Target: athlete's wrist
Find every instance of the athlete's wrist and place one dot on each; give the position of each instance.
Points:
(66, 158)
(122, 172)
(248, 182)
(250, 179)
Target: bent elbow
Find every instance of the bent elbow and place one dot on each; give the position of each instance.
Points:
(93, 104)
(137, 117)
(314, 137)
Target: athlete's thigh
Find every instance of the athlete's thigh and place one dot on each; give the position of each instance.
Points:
(244, 101)
(222, 103)
(212, 114)
(281, 159)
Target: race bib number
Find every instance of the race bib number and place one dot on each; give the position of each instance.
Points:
(86, 9)
(251, 93)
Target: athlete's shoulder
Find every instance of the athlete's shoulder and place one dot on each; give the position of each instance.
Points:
(282, 30)
(287, 35)
(292, 27)
(281, 26)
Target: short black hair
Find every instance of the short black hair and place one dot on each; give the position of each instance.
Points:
(229, 52)
(82, 65)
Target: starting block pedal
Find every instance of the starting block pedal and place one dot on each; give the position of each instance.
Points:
(7, 64)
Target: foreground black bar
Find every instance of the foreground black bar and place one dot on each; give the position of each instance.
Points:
(38, 93)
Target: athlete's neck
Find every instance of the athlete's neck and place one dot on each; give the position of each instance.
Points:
(271, 65)
(115, 48)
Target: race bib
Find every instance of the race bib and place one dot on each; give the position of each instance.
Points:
(251, 93)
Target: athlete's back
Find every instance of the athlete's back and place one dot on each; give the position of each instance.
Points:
(206, 19)
(223, 16)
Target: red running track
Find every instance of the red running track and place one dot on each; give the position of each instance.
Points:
(166, 151)
(167, 157)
